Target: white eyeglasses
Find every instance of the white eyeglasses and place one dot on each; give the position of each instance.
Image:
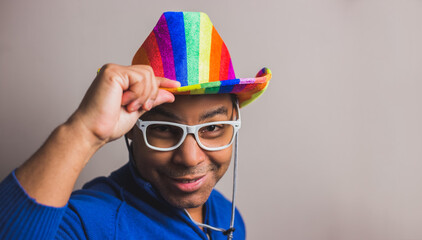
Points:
(167, 136)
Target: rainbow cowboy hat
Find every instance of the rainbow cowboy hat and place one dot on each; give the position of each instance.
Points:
(184, 46)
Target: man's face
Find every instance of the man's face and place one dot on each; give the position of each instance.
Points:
(185, 176)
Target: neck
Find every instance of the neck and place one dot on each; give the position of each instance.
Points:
(196, 214)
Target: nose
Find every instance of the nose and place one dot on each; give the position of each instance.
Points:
(189, 154)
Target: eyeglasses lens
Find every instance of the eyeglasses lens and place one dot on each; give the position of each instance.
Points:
(214, 136)
(163, 135)
(211, 136)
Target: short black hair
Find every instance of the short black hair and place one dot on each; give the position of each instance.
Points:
(234, 99)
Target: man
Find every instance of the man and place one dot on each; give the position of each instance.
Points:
(181, 135)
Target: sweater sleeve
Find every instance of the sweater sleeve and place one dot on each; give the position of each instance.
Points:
(21, 217)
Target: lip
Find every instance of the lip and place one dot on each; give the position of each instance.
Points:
(188, 184)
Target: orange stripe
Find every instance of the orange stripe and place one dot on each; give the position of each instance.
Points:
(141, 57)
(149, 54)
(216, 44)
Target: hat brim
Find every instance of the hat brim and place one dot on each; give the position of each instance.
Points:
(246, 89)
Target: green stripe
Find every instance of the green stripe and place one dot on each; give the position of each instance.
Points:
(212, 87)
(192, 25)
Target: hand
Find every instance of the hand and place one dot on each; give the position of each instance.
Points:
(115, 100)
(118, 96)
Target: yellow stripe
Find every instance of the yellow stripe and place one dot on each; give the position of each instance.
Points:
(198, 91)
(253, 97)
(189, 88)
(204, 48)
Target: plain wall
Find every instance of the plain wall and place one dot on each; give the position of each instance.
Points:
(332, 150)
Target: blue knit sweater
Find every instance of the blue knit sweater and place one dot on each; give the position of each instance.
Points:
(121, 206)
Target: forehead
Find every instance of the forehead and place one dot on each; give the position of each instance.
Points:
(203, 101)
(193, 107)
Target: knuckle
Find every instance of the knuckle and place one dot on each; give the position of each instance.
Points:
(155, 88)
(149, 69)
(149, 73)
(109, 68)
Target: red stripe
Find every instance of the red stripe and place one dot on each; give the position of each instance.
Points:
(225, 62)
(154, 55)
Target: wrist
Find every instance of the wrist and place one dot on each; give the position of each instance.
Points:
(50, 174)
(78, 131)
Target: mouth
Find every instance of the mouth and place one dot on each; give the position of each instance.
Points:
(188, 184)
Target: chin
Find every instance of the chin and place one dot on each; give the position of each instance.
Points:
(187, 204)
(188, 201)
(191, 200)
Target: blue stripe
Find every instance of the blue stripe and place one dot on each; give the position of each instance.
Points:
(176, 28)
(227, 85)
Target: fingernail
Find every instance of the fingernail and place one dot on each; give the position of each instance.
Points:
(135, 106)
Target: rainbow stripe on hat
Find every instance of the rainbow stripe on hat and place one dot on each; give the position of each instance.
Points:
(186, 47)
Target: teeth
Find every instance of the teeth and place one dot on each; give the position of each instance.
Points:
(187, 181)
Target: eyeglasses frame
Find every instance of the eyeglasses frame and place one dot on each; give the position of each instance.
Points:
(190, 129)
(187, 129)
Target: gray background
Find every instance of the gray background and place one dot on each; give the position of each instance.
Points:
(333, 149)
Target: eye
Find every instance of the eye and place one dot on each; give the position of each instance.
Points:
(161, 128)
(210, 128)
(163, 131)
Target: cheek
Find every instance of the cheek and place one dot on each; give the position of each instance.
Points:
(221, 159)
(224, 156)
(152, 159)
(148, 164)
(146, 159)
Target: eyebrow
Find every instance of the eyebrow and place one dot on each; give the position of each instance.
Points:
(212, 113)
(163, 112)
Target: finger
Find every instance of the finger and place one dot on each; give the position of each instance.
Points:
(148, 105)
(153, 94)
(150, 85)
(134, 106)
(168, 83)
(163, 97)
(142, 84)
(128, 97)
(140, 97)
(154, 89)
(134, 90)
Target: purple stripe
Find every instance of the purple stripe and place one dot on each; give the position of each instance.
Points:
(231, 74)
(243, 83)
(164, 44)
(246, 80)
(238, 88)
